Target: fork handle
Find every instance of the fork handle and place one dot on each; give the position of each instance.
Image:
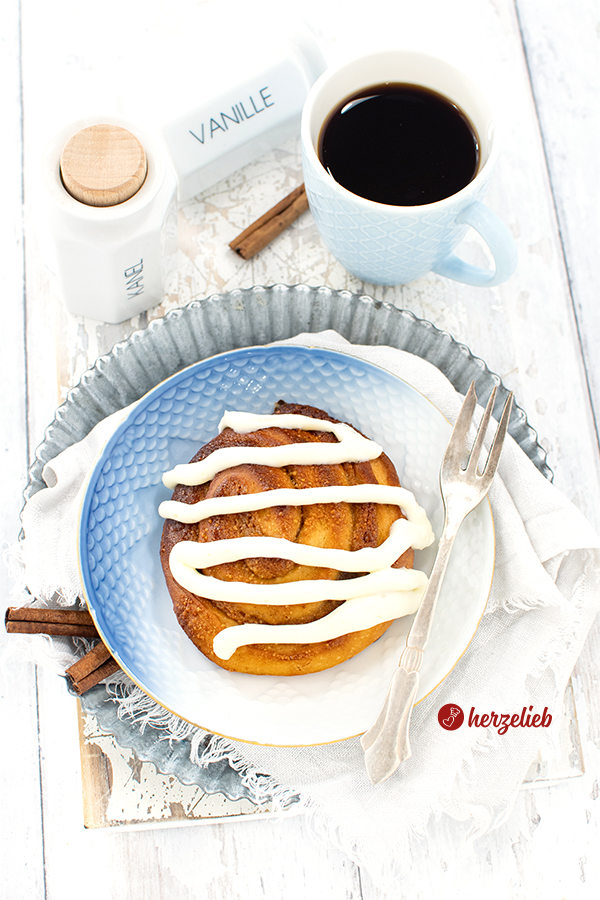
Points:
(386, 743)
(421, 626)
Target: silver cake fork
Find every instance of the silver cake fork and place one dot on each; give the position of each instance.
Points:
(463, 486)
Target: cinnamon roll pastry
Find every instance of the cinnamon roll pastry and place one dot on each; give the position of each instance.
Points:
(286, 548)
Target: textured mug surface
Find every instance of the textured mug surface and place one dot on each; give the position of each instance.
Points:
(384, 244)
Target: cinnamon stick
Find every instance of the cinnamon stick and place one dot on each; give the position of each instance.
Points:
(87, 671)
(91, 669)
(41, 620)
(260, 233)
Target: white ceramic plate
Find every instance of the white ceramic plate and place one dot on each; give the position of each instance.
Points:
(120, 535)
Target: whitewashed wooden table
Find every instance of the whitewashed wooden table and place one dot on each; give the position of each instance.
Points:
(538, 60)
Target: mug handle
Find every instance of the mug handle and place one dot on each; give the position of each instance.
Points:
(499, 240)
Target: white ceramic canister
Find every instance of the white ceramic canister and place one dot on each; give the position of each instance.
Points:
(111, 260)
(241, 103)
(205, 114)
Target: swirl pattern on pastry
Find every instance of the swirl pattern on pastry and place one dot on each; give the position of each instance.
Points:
(318, 543)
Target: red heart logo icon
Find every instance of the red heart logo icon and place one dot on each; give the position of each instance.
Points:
(451, 716)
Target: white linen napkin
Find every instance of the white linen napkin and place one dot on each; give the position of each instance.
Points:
(544, 597)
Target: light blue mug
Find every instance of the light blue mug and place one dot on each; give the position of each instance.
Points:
(385, 244)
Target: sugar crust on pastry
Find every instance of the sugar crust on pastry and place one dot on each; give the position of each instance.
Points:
(346, 526)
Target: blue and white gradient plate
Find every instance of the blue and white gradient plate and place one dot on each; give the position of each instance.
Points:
(120, 532)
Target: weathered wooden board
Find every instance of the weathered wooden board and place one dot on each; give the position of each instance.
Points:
(538, 61)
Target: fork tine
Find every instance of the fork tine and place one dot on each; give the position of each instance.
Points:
(481, 433)
(463, 423)
(494, 454)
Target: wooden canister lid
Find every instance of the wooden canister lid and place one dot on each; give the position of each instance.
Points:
(103, 165)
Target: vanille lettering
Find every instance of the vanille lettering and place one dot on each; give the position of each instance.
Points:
(268, 97)
(214, 125)
(134, 284)
(504, 721)
(231, 119)
(239, 114)
(201, 139)
(251, 116)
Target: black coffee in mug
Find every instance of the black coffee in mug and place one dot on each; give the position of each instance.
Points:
(399, 144)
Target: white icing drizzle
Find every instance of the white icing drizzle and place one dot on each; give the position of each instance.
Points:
(189, 513)
(380, 596)
(290, 593)
(349, 617)
(351, 447)
(201, 555)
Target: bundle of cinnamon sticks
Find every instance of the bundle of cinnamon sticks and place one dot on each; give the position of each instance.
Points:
(88, 671)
